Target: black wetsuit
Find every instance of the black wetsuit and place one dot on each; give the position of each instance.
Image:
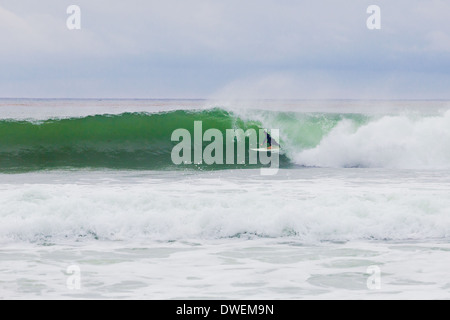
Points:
(269, 140)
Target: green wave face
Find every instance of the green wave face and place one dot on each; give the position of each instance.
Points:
(143, 140)
(126, 141)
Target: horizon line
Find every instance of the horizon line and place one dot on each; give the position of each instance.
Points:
(230, 99)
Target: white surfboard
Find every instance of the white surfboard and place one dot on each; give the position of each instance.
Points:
(266, 150)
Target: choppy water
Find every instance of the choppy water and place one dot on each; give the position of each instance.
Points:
(359, 190)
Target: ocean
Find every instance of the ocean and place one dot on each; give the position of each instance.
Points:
(93, 207)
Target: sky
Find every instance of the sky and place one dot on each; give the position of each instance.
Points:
(225, 49)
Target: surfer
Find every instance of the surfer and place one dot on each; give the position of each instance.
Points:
(270, 141)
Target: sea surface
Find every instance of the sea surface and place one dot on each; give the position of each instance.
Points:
(93, 207)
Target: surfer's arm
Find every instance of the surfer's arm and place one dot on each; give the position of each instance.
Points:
(264, 141)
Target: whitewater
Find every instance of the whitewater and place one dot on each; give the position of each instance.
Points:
(89, 183)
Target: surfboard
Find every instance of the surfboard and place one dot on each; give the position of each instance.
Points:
(266, 150)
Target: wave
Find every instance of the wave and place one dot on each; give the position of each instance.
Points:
(124, 141)
(211, 208)
(397, 142)
(143, 140)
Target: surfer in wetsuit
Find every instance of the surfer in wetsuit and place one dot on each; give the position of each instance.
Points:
(270, 141)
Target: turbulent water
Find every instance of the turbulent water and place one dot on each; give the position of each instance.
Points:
(92, 184)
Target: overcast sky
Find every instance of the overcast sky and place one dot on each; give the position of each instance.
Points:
(311, 49)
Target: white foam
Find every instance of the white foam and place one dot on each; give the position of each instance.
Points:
(310, 205)
(401, 142)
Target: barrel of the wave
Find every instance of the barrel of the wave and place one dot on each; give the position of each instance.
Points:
(123, 141)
